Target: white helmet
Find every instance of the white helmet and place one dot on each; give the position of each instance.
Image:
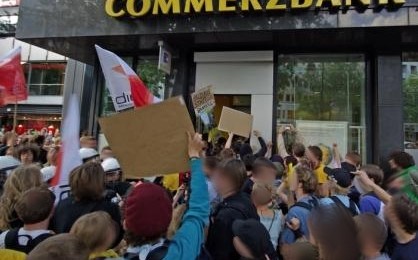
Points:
(8, 163)
(48, 173)
(88, 153)
(110, 165)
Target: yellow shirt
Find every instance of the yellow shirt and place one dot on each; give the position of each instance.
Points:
(320, 174)
(7, 254)
(106, 254)
(171, 181)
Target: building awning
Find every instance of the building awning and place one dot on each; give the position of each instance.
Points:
(31, 110)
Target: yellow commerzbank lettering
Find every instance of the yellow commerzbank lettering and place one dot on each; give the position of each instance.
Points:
(334, 3)
(198, 5)
(110, 9)
(274, 5)
(142, 8)
(245, 5)
(130, 7)
(297, 4)
(224, 7)
(166, 6)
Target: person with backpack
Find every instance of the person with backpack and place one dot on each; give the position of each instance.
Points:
(340, 183)
(148, 213)
(252, 240)
(235, 205)
(297, 218)
(369, 201)
(34, 208)
(87, 183)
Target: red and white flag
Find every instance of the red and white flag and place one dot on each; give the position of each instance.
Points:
(68, 157)
(125, 86)
(12, 79)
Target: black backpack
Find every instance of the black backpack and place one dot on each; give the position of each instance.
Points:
(309, 206)
(160, 252)
(11, 241)
(351, 208)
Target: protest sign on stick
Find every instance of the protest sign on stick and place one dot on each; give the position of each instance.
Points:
(150, 141)
(236, 122)
(203, 103)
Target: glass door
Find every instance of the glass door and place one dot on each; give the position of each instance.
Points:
(323, 96)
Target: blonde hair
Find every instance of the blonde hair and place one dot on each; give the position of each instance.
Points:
(262, 193)
(20, 180)
(93, 229)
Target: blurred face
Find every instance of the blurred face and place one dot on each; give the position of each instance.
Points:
(265, 175)
(112, 176)
(106, 154)
(223, 185)
(394, 166)
(311, 157)
(27, 157)
(242, 248)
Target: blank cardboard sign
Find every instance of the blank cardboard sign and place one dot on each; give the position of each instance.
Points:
(150, 141)
(236, 122)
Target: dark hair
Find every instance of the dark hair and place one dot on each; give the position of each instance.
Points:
(35, 205)
(262, 162)
(406, 210)
(235, 171)
(316, 151)
(334, 229)
(298, 150)
(370, 225)
(374, 172)
(87, 181)
(290, 160)
(23, 149)
(249, 160)
(402, 159)
(62, 246)
(211, 162)
(39, 140)
(307, 178)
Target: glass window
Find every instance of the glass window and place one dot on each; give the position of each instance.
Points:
(45, 79)
(323, 96)
(410, 92)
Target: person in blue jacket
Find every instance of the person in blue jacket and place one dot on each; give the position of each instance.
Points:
(148, 213)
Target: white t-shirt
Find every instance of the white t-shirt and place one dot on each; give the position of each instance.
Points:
(23, 240)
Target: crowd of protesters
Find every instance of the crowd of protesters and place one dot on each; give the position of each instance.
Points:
(235, 203)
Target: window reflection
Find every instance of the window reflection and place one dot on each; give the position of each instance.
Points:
(45, 79)
(410, 92)
(323, 96)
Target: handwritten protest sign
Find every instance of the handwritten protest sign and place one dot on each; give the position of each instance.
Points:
(150, 141)
(237, 122)
(203, 102)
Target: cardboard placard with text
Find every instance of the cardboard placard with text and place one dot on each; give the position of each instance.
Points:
(203, 100)
(150, 141)
(236, 122)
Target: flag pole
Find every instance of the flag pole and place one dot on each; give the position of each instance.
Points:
(15, 117)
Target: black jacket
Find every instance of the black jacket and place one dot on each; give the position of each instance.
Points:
(69, 210)
(219, 242)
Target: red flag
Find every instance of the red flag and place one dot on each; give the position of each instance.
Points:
(12, 79)
(125, 87)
